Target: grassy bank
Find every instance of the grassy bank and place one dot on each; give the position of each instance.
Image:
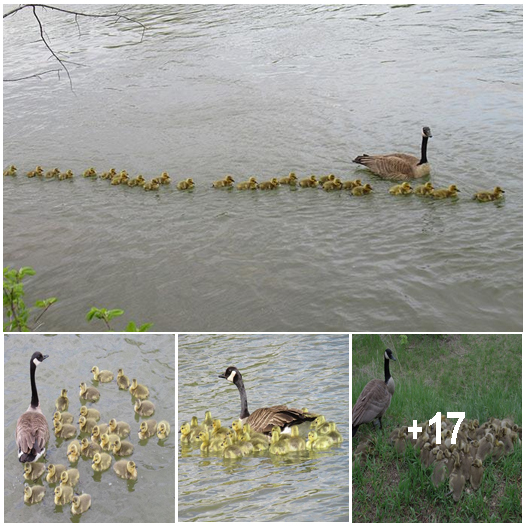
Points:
(477, 374)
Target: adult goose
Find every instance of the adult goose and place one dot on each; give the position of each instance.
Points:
(399, 165)
(375, 398)
(32, 431)
(264, 419)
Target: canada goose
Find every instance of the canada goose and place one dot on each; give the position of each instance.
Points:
(144, 407)
(163, 430)
(264, 419)
(443, 193)
(349, 185)
(290, 179)
(90, 413)
(375, 398)
(400, 443)
(11, 171)
(119, 428)
(399, 165)
(401, 189)
(295, 442)
(309, 182)
(101, 461)
(151, 185)
(507, 440)
(245, 445)
(98, 431)
(68, 174)
(88, 448)
(208, 420)
(320, 425)
(123, 448)
(318, 442)
(69, 477)
(122, 380)
(217, 430)
(439, 473)
(33, 494)
(108, 175)
(90, 172)
(205, 441)
(86, 424)
(106, 441)
(50, 174)
(126, 469)
(54, 472)
(38, 171)
(326, 178)
(362, 190)
(185, 433)
(498, 449)
(473, 448)
(329, 186)
(64, 431)
(165, 178)
(224, 183)
(148, 428)
(73, 451)
(485, 447)
(62, 401)
(278, 444)
(259, 436)
(64, 417)
(89, 393)
(424, 189)
(425, 455)
(138, 390)
(251, 184)
(230, 450)
(466, 462)
(187, 184)
(269, 185)
(63, 495)
(32, 431)
(457, 481)
(334, 434)
(33, 470)
(476, 473)
(80, 504)
(215, 444)
(488, 195)
(237, 426)
(101, 376)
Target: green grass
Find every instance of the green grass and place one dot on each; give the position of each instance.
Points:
(477, 374)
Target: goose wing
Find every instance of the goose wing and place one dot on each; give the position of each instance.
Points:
(264, 419)
(32, 434)
(389, 167)
(371, 404)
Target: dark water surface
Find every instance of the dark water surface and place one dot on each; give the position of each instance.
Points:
(263, 90)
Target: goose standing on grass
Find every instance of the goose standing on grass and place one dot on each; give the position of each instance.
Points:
(32, 431)
(264, 419)
(399, 165)
(375, 398)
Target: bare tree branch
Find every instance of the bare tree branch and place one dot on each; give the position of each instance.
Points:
(116, 16)
(37, 75)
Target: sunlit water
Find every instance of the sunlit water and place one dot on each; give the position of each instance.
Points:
(263, 90)
(297, 370)
(152, 361)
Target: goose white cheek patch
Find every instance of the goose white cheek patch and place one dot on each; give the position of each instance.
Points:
(232, 376)
(36, 362)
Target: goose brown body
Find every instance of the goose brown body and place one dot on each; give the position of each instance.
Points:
(399, 166)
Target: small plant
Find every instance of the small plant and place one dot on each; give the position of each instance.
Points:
(15, 309)
(106, 315)
(403, 339)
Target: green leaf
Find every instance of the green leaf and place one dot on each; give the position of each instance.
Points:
(26, 271)
(145, 326)
(91, 313)
(40, 304)
(113, 313)
(131, 327)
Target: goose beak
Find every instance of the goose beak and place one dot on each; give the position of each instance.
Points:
(222, 376)
(45, 356)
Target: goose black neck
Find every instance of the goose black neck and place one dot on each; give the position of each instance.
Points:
(386, 370)
(238, 380)
(34, 393)
(423, 156)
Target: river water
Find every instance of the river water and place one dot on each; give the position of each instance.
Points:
(150, 359)
(309, 371)
(263, 90)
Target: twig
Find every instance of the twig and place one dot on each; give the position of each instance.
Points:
(34, 75)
